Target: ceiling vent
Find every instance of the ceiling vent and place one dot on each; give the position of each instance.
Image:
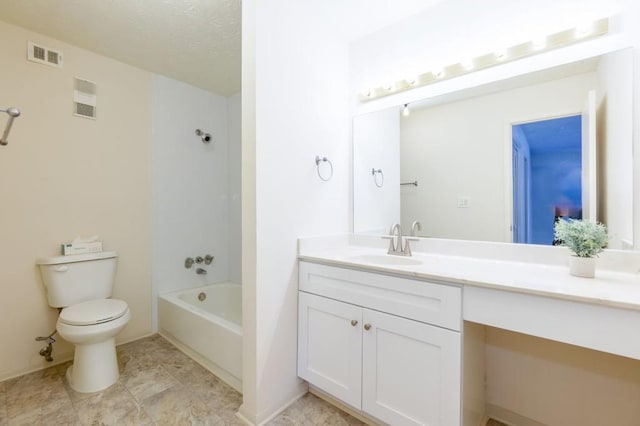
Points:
(43, 55)
(84, 98)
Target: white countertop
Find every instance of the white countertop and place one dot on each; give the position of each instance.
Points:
(615, 287)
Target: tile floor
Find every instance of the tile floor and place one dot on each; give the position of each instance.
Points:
(158, 385)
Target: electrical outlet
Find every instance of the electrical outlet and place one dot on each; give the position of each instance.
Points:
(464, 202)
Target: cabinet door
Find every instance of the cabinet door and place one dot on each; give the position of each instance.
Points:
(411, 371)
(330, 346)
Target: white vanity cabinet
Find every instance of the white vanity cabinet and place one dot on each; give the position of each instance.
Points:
(388, 346)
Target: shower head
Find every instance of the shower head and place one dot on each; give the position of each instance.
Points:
(13, 112)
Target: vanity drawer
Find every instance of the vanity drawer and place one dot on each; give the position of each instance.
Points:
(423, 301)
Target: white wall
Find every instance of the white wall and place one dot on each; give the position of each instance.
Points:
(63, 176)
(454, 30)
(297, 81)
(234, 165)
(376, 145)
(461, 148)
(615, 165)
(558, 384)
(191, 185)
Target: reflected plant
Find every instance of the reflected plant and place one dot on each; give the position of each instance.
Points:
(584, 238)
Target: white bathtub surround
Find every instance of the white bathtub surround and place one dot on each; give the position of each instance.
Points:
(195, 186)
(208, 330)
(527, 290)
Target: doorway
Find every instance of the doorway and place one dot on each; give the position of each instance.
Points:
(547, 176)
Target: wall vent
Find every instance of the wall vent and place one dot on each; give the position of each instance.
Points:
(84, 98)
(44, 55)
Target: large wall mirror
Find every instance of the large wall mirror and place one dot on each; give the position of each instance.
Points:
(503, 162)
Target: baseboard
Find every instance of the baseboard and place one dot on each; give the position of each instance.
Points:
(243, 418)
(344, 407)
(133, 339)
(509, 417)
(60, 358)
(211, 366)
(263, 418)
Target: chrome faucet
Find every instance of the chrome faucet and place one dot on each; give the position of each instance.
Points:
(396, 231)
(396, 247)
(415, 227)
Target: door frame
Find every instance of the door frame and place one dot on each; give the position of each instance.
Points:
(508, 162)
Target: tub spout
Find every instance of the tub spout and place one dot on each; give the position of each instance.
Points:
(201, 271)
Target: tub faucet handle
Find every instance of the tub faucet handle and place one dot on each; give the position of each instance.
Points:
(188, 262)
(208, 259)
(199, 260)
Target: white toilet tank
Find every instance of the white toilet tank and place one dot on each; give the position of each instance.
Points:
(78, 278)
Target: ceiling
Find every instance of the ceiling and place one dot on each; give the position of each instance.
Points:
(195, 41)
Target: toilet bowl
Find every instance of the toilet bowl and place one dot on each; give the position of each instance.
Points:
(92, 326)
(82, 285)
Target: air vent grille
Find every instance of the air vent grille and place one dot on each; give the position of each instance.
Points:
(53, 57)
(39, 52)
(44, 55)
(84, 98)
(84, 110)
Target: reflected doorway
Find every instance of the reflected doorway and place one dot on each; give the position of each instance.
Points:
(547, 176)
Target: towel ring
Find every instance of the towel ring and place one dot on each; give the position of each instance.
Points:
(325, 160)
(375, 174)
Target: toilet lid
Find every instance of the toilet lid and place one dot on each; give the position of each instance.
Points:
(93, 312)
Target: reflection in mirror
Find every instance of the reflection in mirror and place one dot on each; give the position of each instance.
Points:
(460, 153)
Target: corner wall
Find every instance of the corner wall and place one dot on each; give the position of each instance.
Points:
(62, 176)
(295, 75)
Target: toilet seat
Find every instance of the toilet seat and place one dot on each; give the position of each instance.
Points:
(93, 312)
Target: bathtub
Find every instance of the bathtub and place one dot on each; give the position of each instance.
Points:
(206, 324)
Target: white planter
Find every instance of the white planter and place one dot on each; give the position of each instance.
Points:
(582, 266)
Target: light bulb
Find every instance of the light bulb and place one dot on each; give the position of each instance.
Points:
(405, 110)
(584, 29)
(539, 43)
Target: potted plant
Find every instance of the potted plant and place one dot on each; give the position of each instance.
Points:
(586, 239)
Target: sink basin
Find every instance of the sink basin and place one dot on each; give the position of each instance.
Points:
(386, 259)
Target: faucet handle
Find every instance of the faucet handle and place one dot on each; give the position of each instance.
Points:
(415, 226)
(392, 246)
(406, 250)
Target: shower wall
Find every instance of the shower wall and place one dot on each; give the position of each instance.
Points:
(235, 201)
(195, 186)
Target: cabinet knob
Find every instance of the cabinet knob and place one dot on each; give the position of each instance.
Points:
(354, 322)
(367, 327)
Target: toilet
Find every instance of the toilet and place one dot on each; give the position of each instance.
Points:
(81, 285)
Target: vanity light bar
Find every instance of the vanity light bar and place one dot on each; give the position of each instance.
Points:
(544, 44)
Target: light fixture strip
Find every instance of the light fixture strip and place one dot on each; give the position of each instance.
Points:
(553, 41)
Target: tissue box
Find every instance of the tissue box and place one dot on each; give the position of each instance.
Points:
(81, 247)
